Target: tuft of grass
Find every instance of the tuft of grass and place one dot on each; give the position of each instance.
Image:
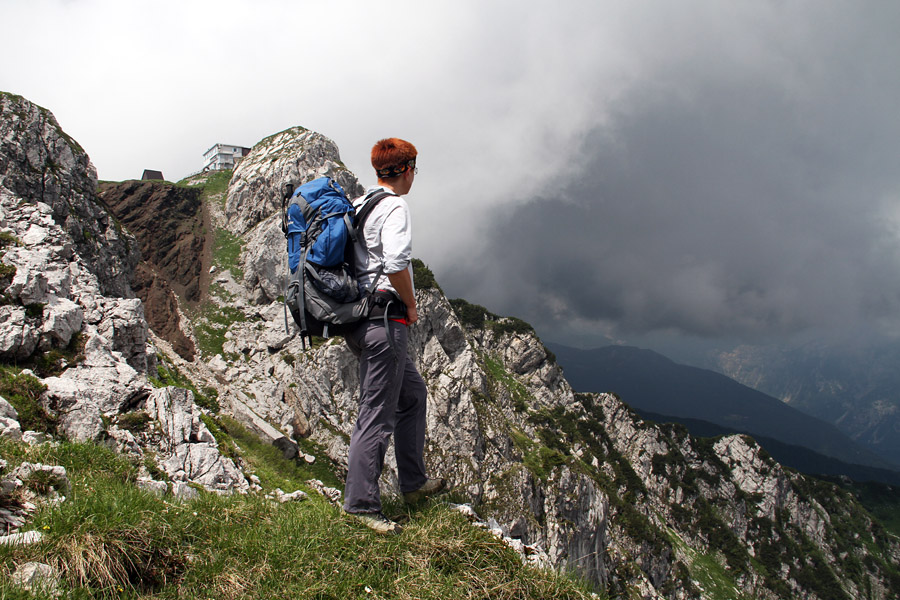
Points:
(8, 239)
(134, 422)
(23, 391)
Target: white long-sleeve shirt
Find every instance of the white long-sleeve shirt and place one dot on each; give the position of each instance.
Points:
(388, 237)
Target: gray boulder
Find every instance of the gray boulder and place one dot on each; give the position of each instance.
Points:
(103, 384)
(37, 577)
(190, 450)
(18, 334)
(9, 422)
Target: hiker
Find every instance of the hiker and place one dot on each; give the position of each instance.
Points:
(392, 393)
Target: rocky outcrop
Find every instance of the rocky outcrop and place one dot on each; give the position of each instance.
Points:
(67, 304)
(41, 164)
(295, 155)
(193, 455)
(102, 385)
(253, 206)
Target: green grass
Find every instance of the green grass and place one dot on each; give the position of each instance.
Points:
(882, 501)
(536, 457)
(211, 325)
(216, 314)
(23, 392)
(499, 375)
(110, 539)
(214, 183)
(707, 570)
(227, 249)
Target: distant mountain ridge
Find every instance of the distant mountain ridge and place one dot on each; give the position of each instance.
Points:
(651, 383)
(853, 384)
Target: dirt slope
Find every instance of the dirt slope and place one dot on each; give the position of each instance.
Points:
(168, 222)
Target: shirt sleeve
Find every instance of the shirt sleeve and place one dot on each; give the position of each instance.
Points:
(396, 239)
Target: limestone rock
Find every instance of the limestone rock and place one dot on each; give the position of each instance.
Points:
(42, 164)
(24, 539)
(202, 463)
(103, 384)
(37, 577)
(157, 488)
(263, 261)
(62, 319)
(36, 438)
(18, 335)
(279, 496)
(296, 155)
(192, 455)
(173, 408)
(10, 428)
(7, 410)
(124, 325)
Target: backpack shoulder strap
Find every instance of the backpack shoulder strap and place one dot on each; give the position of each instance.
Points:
(369, 205)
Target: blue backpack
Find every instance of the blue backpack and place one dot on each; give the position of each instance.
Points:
(321, 289)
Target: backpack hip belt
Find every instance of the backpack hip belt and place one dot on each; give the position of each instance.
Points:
(386, 303)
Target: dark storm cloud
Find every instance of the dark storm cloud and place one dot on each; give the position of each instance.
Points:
(725, 196)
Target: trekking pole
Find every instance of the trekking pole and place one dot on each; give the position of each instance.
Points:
(287, 191)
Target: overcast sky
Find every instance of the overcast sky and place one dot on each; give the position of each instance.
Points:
(605, 170)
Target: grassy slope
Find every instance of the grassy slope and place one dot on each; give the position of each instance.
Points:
(215, 313)
(110, 539)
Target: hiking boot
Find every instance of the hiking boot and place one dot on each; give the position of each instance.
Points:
(432, 487)
(377, 522)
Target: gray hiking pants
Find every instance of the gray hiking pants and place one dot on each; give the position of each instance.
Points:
(392, 402)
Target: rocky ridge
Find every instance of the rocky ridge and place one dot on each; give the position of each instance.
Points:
(66, 307)
(643, 510)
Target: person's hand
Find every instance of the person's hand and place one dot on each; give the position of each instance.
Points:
(411, 315)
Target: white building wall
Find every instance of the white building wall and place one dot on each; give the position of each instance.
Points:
(221, 157)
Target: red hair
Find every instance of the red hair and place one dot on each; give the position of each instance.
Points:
(392, 156)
